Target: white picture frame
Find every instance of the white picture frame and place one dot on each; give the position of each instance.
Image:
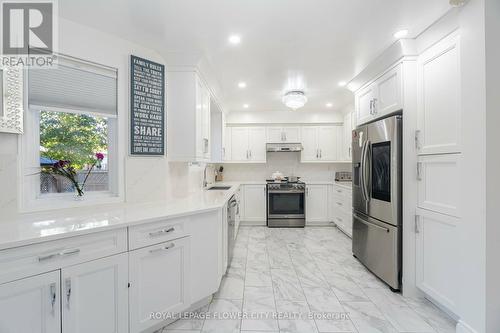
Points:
(11, 100)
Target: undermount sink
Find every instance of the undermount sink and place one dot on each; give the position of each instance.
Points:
(219, 188)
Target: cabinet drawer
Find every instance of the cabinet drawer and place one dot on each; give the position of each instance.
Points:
(29, 260)
(341, 193)
(157, 232)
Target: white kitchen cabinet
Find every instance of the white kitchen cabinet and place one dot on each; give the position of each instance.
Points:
(381, 97)
(248, 144)
(227, 141)
(321, 144)
(159, 282)
(31, 304)
(438, 183)
(437, 262)
(283, 134)
(316, 204)
(95, 296)
(438, 98)
(347, 137)
(188, 107)
(341, 208)
(254, 204)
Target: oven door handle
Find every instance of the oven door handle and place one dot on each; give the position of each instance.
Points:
(285, 191)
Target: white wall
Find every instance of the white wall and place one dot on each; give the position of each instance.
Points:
(144, 178)
(492, 11)
(287, 163)
(281, 117)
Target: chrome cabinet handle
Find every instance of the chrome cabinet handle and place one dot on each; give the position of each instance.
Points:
(320, 153)
(417, 224)
(375, 106)
(417, 139)
(339, 203)
(371, 106)
(161, 232)
(67, 286)
(164, 248)
(339, 191)
(53, 297)
(205, 146)
(317, 153)
(419, 170)
(339, 219)
(58, 254)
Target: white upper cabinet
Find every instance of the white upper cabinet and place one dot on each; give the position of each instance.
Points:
(283, 134)
(227, 144)
(439, 121)
(96, 296)
(188, 107)
(381, 97)
(31, 305)
(347, 137)
(321, 144)
(248, 144)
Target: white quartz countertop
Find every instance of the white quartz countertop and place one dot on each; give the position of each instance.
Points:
(33, 228)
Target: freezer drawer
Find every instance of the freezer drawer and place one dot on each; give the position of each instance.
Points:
(377, 245)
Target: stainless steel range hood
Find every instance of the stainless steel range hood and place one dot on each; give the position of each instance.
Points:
(284, 147)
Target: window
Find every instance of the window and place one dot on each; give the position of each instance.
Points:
(72, 116)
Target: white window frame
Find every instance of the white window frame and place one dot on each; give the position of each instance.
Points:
(31, 200)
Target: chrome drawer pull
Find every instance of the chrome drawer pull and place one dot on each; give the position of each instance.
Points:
(339, 203)
(168, 247)
(58, 254)
(161, 232)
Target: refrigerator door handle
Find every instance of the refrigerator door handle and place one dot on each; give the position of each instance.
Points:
(361, 171)
(376, 226)
(366, 170)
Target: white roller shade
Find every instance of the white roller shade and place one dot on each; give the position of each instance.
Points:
(74, 86)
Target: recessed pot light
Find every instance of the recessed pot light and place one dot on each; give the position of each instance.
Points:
(342, 83)
(234, 39)
(246, 106)
(401, 34)
(328, 105)
(242, 85)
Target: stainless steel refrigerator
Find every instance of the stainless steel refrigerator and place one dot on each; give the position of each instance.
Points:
(377, 198)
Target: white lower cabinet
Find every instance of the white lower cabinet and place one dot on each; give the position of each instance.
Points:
(31, 304)
(159, 282)
(95, 296)
(436, 257)
(317, 204)
(254, 204)
(341, 208)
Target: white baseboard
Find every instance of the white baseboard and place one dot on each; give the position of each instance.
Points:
(464, 328)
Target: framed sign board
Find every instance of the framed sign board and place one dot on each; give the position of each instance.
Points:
(147, 107)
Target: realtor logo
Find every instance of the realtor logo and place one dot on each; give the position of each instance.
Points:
(28, 31)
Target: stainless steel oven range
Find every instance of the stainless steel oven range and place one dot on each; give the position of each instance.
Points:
(286, 204)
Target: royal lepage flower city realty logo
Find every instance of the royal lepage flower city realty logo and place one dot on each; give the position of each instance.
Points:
(29, 33)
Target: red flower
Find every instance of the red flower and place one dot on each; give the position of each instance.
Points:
(99, 156)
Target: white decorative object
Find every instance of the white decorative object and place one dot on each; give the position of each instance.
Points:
(11, 100)
(295, 99)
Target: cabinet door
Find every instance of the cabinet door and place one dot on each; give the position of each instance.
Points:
(316, 203)
(96, 296)
(275, 135)
(436, 257)
(347, 138)
(257, 144)
(389, 92)
(309, 135)
(291, 134)
(159, 282)
(439, 183)
(31, 305)
(328, 142)
(227, 142)
(206, 123)
(255, 203)
(438, 97)
(200, 135)
(239, 144)
(363, 101)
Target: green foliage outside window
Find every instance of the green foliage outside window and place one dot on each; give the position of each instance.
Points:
(72, 137)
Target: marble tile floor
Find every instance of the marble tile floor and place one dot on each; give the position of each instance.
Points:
(306, 280)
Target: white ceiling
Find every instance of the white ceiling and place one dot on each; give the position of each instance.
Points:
(321, 41)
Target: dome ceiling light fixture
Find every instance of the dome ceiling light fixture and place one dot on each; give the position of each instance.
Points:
(295, 99)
